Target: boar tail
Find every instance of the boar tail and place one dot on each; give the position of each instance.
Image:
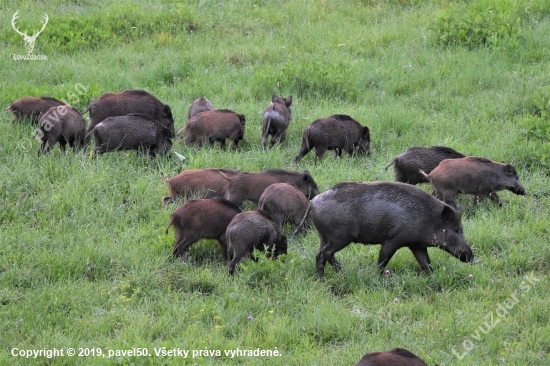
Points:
(390, 164)
(169, 224)
(87, 137)
(302, 225)
(424, 174)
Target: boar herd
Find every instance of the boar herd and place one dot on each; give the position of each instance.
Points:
(392, 214)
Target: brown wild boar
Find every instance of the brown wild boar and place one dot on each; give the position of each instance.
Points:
(250, 186)
(201, 104)
(214, 126)
(338, 132)
(63, 124)
(393, 357)
(392, 214)
(32, 108)
(285, 203)
(131, 132)
(201, 219)
(275, 121)
(200, 183)
(407, 166)
(253, 230)
(130, 102)
(473, 175)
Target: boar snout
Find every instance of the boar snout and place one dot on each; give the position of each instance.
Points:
(467, 256)
(519, 190)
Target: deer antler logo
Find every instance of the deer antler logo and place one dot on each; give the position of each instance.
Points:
(30, 40)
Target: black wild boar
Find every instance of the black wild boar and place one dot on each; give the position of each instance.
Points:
(214, 126)
(393, 357)
(201, 104)
(276, 119)
(132, 132)
(285, 203)
(250, 186)
(473, 175)
(205, 183)
(130, 102)
(337, 132)
(32, 108)
(63, 124)
(393, 214)
(201, 219)
(252, 230)
(408, 165)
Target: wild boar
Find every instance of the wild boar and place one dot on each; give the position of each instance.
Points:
(63, 124)
(275, 121)
(201, 104)
(473, 175)
(393, 357)
(32, 108)
(285, 203)
(392, 214)
(131, 132)
(130, 102)
(201, 219)
(250, 186)
(408, 165)
(203, 183)
(252, 230)
(338, 132)
(214, 126)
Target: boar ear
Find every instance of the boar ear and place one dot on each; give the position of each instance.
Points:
(274, 98)
(509, 170)
(307, 177)
(365, 133)
(448, 213)
(167, 111)
(288, 101)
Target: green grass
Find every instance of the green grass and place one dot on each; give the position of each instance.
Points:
(85, 263)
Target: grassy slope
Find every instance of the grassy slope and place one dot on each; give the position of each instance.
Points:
(84, 261)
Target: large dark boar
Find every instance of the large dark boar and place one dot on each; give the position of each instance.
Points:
(252, 230)
(214, 126)
(285, 203)
(205, 183)
(408, 165)
(473, 175)
(63, 124)
(130, 102)
(250, 186)
(201, 104)
(32, 108)
(201, 219)
(337, 132)
(276, 119)
(132, 132)
(393, 214)
(393, 357)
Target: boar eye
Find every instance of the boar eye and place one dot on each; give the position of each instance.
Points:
(458, 231)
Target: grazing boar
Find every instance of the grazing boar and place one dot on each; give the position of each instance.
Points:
(252, 230)
(276, 119)
(393, 357)
(205, 183)
(130, 102)
(214, 126)
(131, 132)
(337, 132)
(285, 203)
(407, 166)
(32, 108)
(392, 214)
(63, 124)
(250, 186)
(201, 104)
(201, 219)
(473, 175)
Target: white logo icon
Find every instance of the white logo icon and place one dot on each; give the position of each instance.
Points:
(29, 40)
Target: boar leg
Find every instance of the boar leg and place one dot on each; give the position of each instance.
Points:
(386, 253)
(304, 149)
(278, 137)
(223, 244)
(182, 247)
(421, 255)
(326, 254)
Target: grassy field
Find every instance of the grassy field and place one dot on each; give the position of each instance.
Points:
(85, 262)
